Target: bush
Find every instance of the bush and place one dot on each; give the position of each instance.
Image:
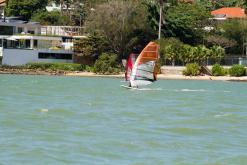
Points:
(107, 64)
(89, 68)
(192, 69)
(50, 18)
(237, 70)
(218, 70)
(56, 66)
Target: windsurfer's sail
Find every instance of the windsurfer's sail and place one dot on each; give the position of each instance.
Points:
(129, 65)
(145, 69)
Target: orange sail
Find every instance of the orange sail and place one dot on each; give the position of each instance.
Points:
(145, 68)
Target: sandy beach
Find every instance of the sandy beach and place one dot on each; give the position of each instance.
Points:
(165, 76)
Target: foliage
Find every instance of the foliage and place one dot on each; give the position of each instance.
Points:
(107, 64)
(91, 45)
(220, 41)
(173, 49)
(183, 21)
(218, 70)
(188, 26)
(237, 70)
(235, 30)
(212, 4)
(192, 69)
(119, 22)
(24, 8)
(217, 53)
(55, 66)
(90, 68)
(50, 18)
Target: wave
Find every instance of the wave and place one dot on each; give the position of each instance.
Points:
(44, 110)
(193, 90)
(222, 115)
(149, 89)
(198, 90)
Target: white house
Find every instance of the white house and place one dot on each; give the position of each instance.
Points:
(25, 42)
(53, 7)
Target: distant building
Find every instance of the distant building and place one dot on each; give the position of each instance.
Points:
(228, 12)
(24, 42)
(53, 7)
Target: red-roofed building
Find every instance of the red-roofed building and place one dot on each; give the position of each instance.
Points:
(229, 12)
(2, 4)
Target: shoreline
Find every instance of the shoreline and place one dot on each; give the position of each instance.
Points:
(90, 74)
(166, 77)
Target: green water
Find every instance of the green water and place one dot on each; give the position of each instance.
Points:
(73, 120)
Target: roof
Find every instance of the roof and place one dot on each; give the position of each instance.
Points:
(230, 12)
(2, 2)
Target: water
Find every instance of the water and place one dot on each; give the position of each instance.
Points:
(75, 120)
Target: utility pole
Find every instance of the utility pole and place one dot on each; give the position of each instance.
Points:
(161, 2)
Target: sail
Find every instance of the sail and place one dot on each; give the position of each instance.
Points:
(129, 65)
(145, 69)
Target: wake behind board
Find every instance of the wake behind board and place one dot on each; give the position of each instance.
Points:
(127, 87)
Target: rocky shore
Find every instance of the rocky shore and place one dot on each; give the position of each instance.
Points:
(30, 71)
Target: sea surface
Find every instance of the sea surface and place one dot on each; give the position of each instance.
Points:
(48, 120)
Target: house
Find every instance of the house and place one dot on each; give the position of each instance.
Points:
(53, 7)
(24, 42)
(228, 12)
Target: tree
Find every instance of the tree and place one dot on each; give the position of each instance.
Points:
(119, 21)
(107, 64)
(216, 4)
(181, 20)
(88, 49)
(220, 41)
(25, 8)
(186, 21)
(234, 29)
(170, 48)
(50, 18)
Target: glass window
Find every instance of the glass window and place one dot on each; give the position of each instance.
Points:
(20, 29)
(55, 56)
(6, 30)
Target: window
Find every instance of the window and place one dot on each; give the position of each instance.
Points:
(35, 43)
(6, 30)
(30, 31)
(55, 56)
(20, 29)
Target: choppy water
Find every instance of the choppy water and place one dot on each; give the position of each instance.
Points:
(74, 120)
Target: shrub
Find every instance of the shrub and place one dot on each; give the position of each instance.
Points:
(107, 64)
(237, 70)
(89, 68)
(192, 69)
(50, 18)
(56, 66)
(218, 70)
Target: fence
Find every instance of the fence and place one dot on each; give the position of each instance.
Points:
(227, 61)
